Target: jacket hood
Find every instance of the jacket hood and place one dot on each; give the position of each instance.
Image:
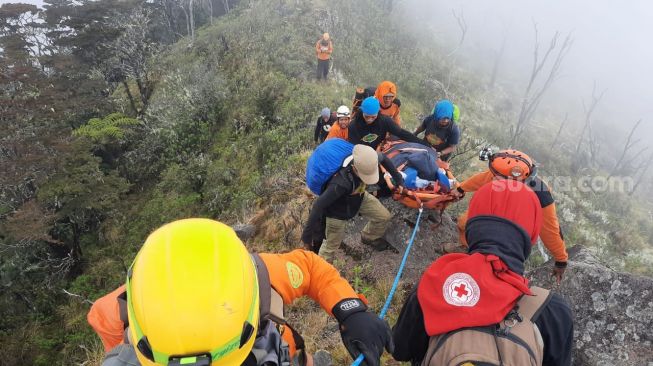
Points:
(384, 88)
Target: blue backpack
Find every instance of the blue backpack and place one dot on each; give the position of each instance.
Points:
(325, 161)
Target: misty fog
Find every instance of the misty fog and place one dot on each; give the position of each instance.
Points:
(612, 47)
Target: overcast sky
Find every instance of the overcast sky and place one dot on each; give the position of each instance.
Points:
(612, 45)
(35, 2)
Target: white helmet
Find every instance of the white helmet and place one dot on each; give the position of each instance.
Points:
(342, 111)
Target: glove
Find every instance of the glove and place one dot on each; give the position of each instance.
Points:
(362, 332)
(559, 270)
(458, 193)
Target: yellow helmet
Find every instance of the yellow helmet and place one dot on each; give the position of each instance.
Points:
(192, 296)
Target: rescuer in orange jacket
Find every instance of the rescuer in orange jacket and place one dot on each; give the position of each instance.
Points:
(513, 164)
(323, 49)
(195, 296)
(386, 93)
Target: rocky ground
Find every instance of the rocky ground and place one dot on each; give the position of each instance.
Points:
(613, 311)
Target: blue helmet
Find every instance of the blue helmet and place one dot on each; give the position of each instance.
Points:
(370, 106)
(443, 109)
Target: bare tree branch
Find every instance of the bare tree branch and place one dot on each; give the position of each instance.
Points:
(643, 167)
(594, 101)
(210, 4)
(192, 20)
(499, 56)
(462, 24)
(562, 125)
(76, 295)
(532, 98)
(627, 146)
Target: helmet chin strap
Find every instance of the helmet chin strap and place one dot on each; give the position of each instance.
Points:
(533, 171)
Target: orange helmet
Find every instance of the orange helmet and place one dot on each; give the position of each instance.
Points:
(512, 164)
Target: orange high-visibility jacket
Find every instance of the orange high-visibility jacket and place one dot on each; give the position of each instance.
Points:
(550, 233)
(292, 275)
(393, 110)
(323, 55)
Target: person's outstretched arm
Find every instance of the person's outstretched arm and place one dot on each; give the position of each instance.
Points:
(403, 134)
(476, 181)
(301, 272)
(421, 128)
(390, 168)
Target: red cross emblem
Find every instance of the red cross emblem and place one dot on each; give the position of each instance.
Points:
(460, 290)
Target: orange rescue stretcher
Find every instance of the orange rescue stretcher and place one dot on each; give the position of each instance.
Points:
(432, 197)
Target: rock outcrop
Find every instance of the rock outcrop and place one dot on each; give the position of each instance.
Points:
(613, 311)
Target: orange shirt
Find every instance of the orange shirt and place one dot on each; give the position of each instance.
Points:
(323, 54)
(337, 132)
(392, 112)
(292, 275)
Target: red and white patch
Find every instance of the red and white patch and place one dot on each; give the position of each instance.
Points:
(460, 289)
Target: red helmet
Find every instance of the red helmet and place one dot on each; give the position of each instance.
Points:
(512, 164)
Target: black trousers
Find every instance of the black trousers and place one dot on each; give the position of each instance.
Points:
(322, 69)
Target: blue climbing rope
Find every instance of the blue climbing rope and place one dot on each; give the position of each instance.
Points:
(388, 300)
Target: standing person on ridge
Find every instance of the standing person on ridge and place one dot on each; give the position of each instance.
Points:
(441, 130)
(344, 197)
(340, 129)
(386, 93)
(477, 308)
(323, 49)
(513, 164)
(323, 125)
(195, 296)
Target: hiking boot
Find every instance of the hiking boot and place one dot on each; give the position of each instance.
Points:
(379, 244)
(322, 358)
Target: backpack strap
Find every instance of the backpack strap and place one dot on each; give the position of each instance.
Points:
(530, 307)
(270, 302)
(271, 308)
(122, 308)
(124, 317)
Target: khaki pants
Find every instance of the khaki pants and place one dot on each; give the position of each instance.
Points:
(372, 209)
